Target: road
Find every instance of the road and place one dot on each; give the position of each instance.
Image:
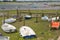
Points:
(31, 6)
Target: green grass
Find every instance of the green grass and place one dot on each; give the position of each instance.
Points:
(39, 28)
(31, 11)
(12, 2)
(6, 2)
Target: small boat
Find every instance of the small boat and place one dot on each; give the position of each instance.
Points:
(27, 32)
(55, 24)
(10, 20)
(8, 28)
(49, 19)
(4, 38)
(53, 19)
(28, 17)
(44, 18)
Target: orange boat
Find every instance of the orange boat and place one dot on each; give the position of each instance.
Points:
(55, 24)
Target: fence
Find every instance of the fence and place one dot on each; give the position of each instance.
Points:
(27, 13)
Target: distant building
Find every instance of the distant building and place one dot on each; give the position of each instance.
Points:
(6, 0)
(30, 0)
(37, 0)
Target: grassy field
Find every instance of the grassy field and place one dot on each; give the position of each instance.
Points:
(13, 2)
(41, 28)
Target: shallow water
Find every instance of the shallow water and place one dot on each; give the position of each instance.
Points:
(32, 6)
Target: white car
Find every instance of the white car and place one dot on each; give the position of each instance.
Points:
(8, 28)
(10, 20)
(26, 32)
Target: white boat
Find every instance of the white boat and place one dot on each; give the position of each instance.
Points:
(10, 20)
(27, 32)
(8, 28)
(50, 19)
(27, 17)
(53, 19)
(44, 18)
(4, 38)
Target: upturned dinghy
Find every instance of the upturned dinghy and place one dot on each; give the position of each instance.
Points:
(28, 17)
(8, 27)
(27, 32)
(53, 19)
(4, 38)
(10, 20)
(44, 18)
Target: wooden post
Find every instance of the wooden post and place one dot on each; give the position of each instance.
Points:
(24, 22)
(20, 17)
(36, 18)
(17, 14)
(4, 18)
(7, 14)
(30, 12)
(42, 14)
(3, 15)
